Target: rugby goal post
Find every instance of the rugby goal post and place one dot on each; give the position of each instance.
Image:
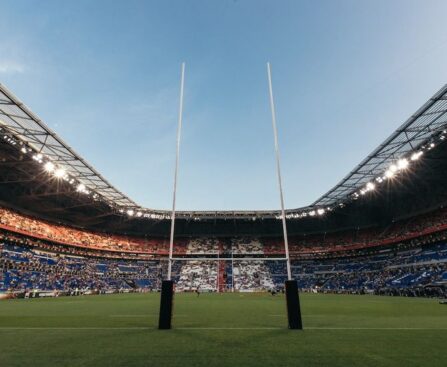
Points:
(167, 286)
(291, 286)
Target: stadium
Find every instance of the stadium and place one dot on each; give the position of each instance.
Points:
(84, 267)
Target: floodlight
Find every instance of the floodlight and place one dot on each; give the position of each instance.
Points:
(59, 173)
(130, 212)
(370, 186)
(393, 168)
(320, 211)
(402, 163)
(416, 156)
(38, 157)
(23, 150)
(49, 167)
(389, 174)
(80, 188)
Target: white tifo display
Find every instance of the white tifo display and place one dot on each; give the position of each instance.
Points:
(200, 275)
(249, 275)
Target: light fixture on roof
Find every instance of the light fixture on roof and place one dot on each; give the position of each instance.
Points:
(389, 174)
(59, 173)
(416, 156)
(130, 213)
(49, 167)
(393, 168)
(23, 150)
(402, 163)
(370, 186)
(80, 187)
(320, 211)
(139, 214)
(38, 157)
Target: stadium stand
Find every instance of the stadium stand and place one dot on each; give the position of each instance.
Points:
(30, 269)
(426, 225)
(408, 258)
(10, 220)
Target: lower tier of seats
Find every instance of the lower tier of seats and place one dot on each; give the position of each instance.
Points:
(415, 271)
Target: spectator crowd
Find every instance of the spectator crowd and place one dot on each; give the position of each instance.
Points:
(406, 258)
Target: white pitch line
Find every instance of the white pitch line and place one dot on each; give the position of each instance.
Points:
(372, 328)
(306, 328)
(140, 328)
(218, 328)
(304, 316)
(76, 328)
(147, 315)
(229, 328)
(132, 315)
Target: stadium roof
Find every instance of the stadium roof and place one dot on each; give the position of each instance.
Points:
(423, 127)
(24, 124)
(417, 133)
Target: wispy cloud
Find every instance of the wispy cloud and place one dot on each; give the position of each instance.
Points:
(11, 67)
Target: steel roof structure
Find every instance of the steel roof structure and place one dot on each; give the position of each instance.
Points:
(421, 128)
(424, 127)
(19, 120)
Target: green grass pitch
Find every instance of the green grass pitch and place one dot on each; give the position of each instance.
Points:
(223, 330)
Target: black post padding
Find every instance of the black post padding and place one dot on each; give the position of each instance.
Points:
(166, 304)
(293, 305)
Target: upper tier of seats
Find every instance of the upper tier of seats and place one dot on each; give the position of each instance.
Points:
(431, 225)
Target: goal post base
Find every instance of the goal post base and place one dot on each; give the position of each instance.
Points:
(166, 305)
(293, 305)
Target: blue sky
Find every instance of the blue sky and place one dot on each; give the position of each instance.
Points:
(105, 76)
